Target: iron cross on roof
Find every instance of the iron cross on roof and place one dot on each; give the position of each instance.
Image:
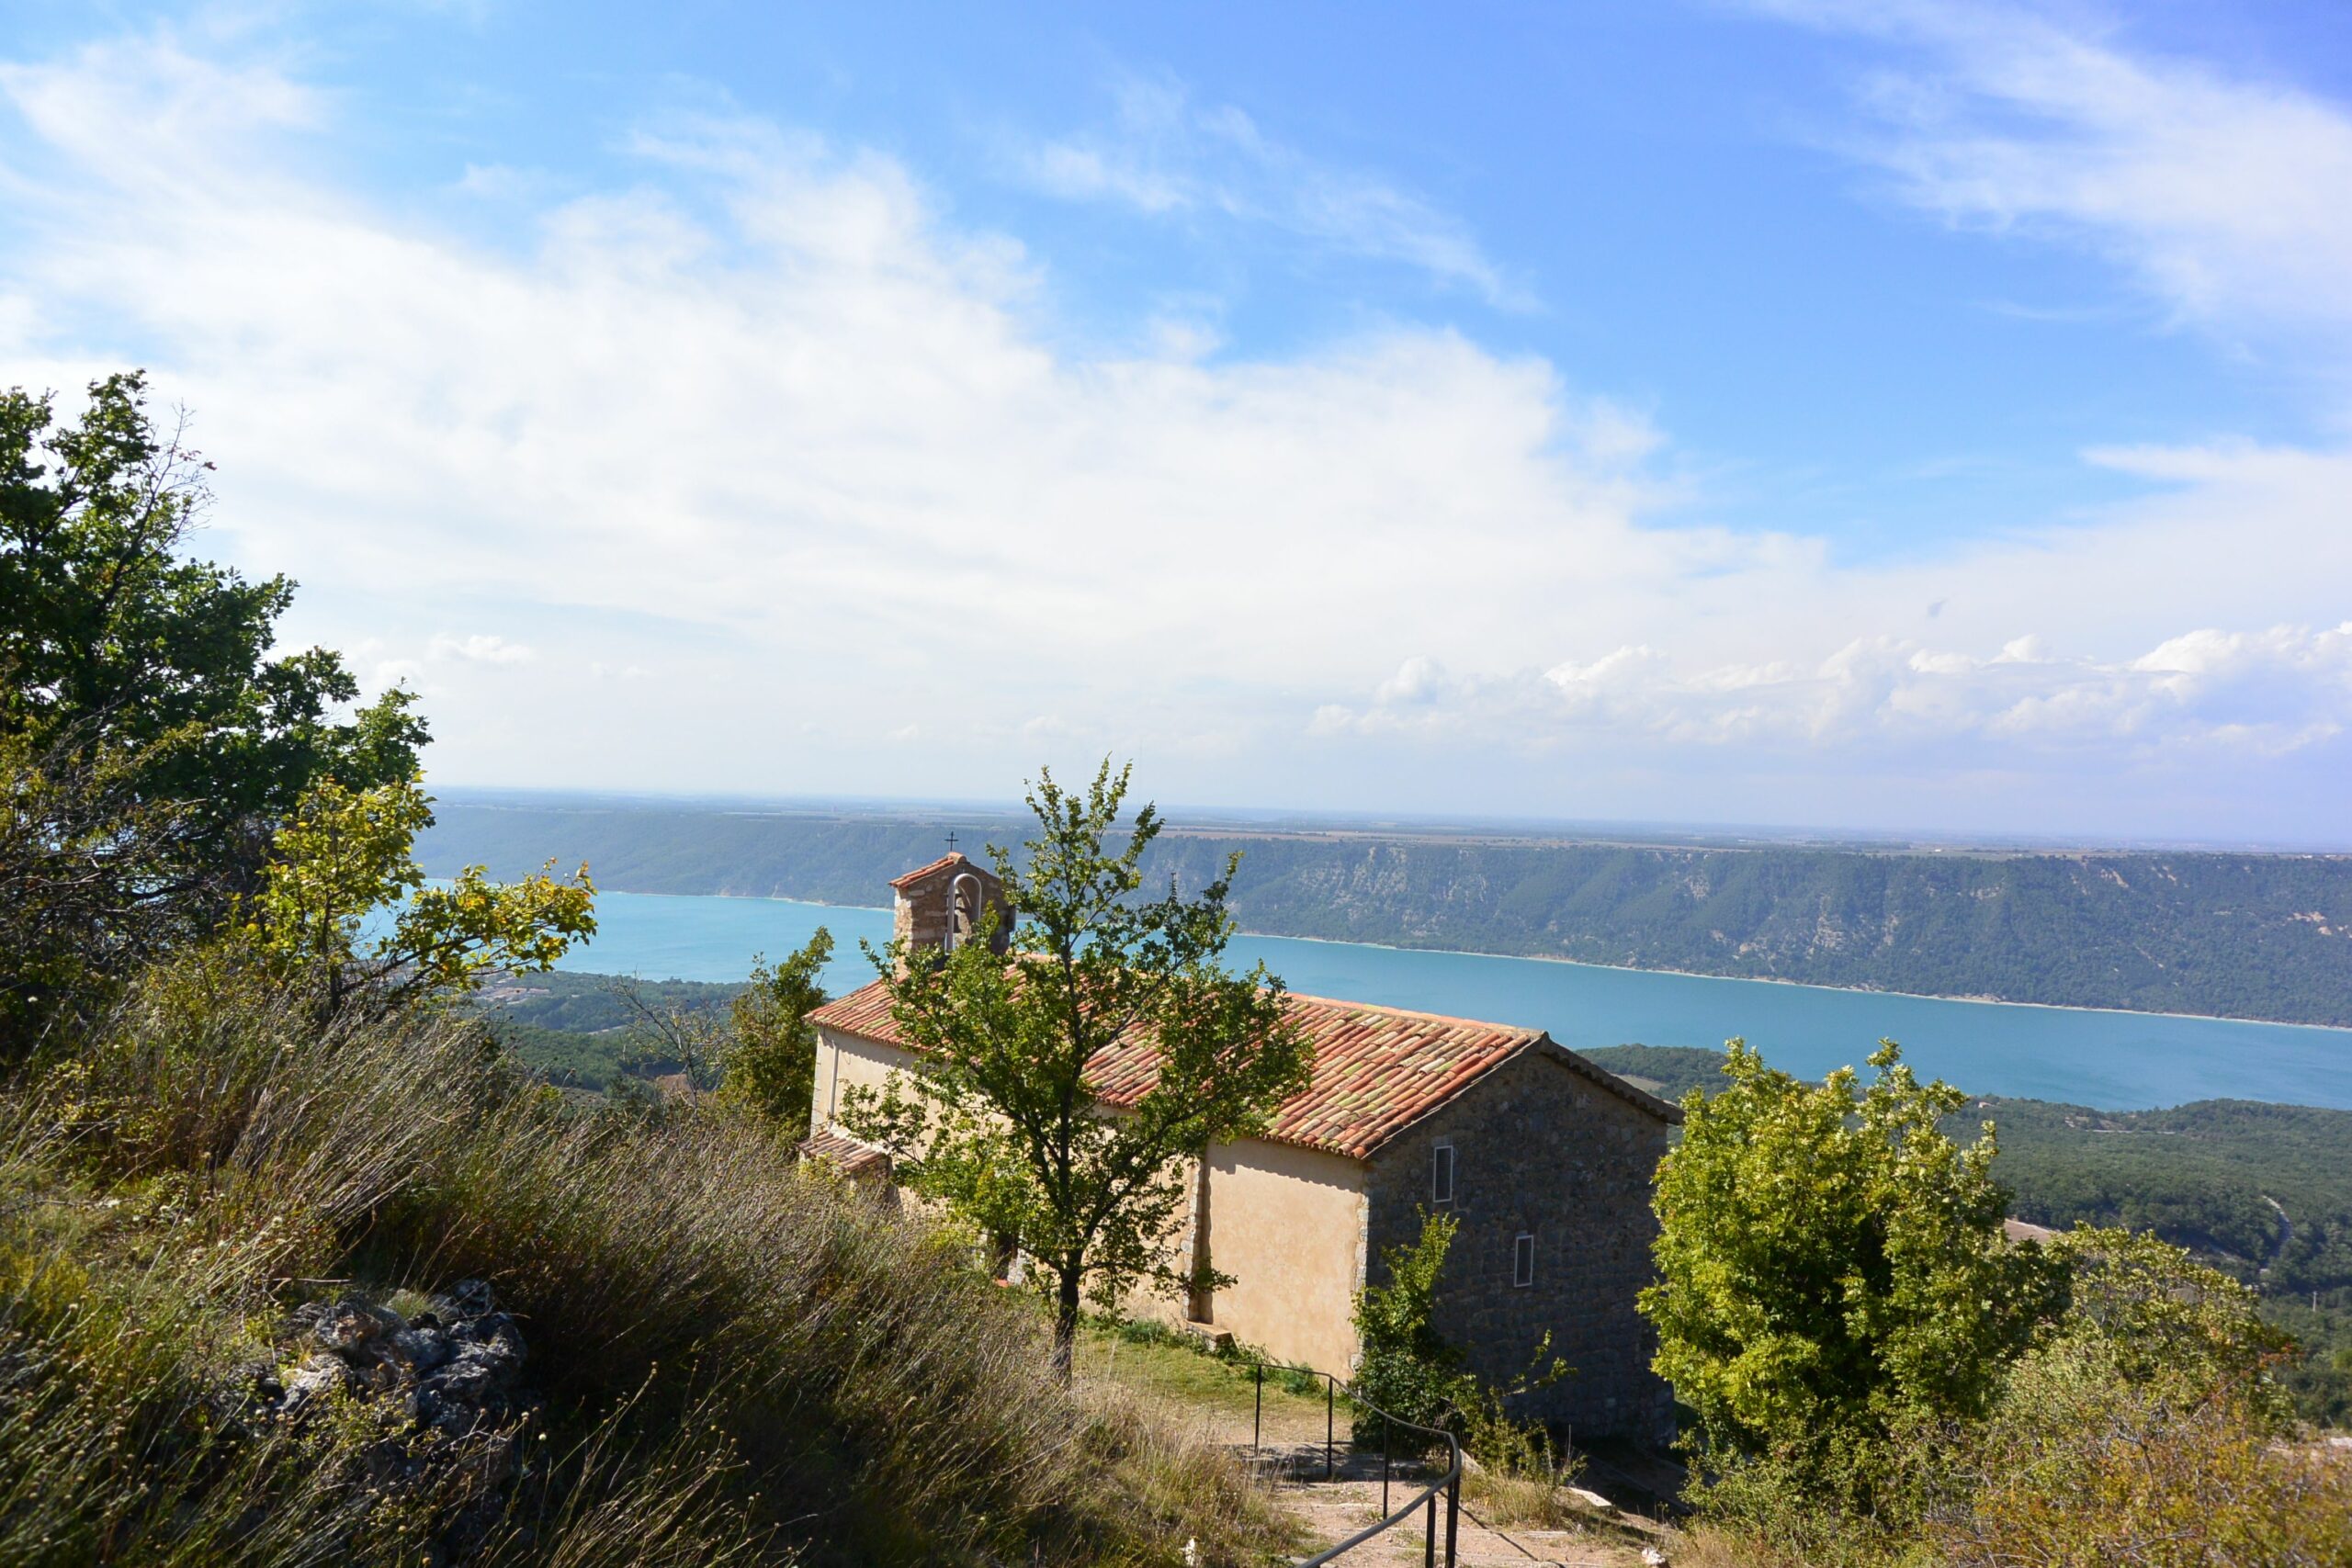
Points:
(951, 840)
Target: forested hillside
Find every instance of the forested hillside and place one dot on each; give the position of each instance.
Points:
(2232, 935)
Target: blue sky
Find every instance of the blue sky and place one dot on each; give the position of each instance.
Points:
(1897, 416)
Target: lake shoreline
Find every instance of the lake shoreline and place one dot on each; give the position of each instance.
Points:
(1626, 969)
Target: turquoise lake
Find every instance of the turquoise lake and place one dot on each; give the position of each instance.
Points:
(2112, 1060)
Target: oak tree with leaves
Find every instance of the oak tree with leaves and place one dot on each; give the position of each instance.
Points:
(1000, 1121)
(1831, 1265)
(152, 737)
(770, 1058)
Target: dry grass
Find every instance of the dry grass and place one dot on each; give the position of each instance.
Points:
(1527, 1501)
(736, 1363)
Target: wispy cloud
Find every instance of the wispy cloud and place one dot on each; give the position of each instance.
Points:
(1164, 153)
(482, 647)
(2269, 693)
(2221, 192)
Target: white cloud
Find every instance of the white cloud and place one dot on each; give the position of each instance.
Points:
(1164, 155)
(758, 422)
(482, 647)
(2223, 193)
(2273, 691)
(384, 673)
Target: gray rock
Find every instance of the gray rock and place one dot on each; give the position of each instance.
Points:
(348, 1326)
(416, 1351)
(321, 1377)
(471, 1298)
(454, 1374)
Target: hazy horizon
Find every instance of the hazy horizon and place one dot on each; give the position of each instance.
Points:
(1308, 819)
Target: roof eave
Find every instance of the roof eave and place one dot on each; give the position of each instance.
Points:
(1665, 1110)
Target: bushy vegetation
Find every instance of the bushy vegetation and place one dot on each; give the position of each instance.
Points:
(588, 1032)
(2261, 1193)
(736, 1363)
(568, 1002)
(1831, 1269)
(1667, 1071)
(1879, 1377)
(2226, 934)
(151, 741)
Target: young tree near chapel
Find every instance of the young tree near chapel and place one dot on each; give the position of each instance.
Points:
(770, 1059)
(1003, 1121)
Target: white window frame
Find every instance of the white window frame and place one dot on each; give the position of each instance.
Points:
(1522, 1251)
(1442, 1161)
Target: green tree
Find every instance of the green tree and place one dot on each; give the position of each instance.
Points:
(346, 854)
(2161, 1316)
(771, 1062)
(1832, 1265)
(1002, 1120)
(153, 742)
(83, 865)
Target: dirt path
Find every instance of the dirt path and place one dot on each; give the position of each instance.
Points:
(1289, 1455)
(1292, 1460)
(1334, 1510)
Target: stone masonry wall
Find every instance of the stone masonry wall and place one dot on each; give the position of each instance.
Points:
(920, 913)
(1539, 1149)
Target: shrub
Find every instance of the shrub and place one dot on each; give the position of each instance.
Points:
(2082, 1463)
(1404, 1366)
(1408, 1369)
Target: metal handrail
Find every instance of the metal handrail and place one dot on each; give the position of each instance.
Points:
(1450, 1484)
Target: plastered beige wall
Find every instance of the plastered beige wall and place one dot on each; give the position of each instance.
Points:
(844, 1060)
(1287, 1223)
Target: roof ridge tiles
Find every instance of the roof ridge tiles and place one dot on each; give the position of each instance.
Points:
(950, 858)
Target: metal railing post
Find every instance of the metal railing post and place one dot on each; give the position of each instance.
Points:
(1258, 1416)
(1452, 1510)
(1422, 1502)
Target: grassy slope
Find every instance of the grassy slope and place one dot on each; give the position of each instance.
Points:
(1223, 1393)
(738, 1364)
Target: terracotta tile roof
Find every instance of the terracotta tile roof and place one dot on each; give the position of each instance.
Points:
(864, 1012)
(953, 857)
(851, 1157)
(1377, 1070)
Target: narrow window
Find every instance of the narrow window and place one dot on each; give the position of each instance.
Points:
(1442, 1174)
(1522, 1259)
